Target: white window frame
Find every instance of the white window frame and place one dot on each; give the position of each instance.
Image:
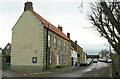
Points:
(49, 40)
(50, 57)
(55, 43)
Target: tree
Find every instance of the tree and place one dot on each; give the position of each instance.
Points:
(105, 16)
(103, 52)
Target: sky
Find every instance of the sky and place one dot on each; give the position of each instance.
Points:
(63, 12)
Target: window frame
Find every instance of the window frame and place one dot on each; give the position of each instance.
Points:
(8, 47)
(55, 43)
(33, 59)
(49, 40)
(64, 46)
(50, 60)
(60, 45)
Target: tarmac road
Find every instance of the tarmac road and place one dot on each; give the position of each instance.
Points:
(100, 69)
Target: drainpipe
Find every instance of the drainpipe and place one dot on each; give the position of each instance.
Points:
(46, 47)
(47, 51)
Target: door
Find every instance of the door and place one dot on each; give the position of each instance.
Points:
(57, 59)
(72, 61)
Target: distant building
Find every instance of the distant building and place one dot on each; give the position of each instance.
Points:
(78, 49)
(73, 56)
(80, 52)
(84, 55)
(92, 56)
(0, 50)
(6, 56)
(37, 44)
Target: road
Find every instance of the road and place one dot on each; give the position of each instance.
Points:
(100, 69)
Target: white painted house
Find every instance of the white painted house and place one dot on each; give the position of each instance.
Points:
(73, 56)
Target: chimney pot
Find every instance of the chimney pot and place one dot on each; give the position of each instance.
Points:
(68, 35)
(28, 6)
(76, 42)
(60, 27)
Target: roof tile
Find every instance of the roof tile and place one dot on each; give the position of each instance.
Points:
(51, 27)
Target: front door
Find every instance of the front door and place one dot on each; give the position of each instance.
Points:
(72, 61)
(57, 59)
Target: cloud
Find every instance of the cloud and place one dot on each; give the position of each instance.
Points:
(63, 12)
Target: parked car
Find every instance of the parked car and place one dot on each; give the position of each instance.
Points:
(90, 60)
(109, 60)
(95, 60)
(103, 60)
(99, 59)
(84, 62)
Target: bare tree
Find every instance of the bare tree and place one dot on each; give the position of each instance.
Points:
(104, 52)
(105, 17)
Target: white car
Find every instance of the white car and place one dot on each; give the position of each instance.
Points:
(109, 60)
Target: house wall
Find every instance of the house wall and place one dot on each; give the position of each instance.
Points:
(27, 42)
(74, 55)
(64, 56)
(80, 51)
(6, 50)
(74, 45)
(1, 51)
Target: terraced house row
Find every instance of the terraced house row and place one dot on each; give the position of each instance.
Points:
(39, 45)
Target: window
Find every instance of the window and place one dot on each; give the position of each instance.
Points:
(34, 59)
(61, 58)
(60, 45)
(64, 46)
(67, 47)
(68, 58)
(7, 53)
(8, 47)
(50, 58)
(55, 42)
(49, 40)
(64, 59)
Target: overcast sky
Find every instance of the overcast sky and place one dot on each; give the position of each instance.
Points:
(63, 12)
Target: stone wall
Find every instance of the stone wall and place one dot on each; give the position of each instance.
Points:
(64, 55)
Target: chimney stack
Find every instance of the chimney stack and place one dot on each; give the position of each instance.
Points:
(60, 27)
(68, 35)
(28, 6)
(76, 42)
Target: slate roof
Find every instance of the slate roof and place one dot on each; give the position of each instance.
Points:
(51, 27)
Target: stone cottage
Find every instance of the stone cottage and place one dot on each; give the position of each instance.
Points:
(37, 44)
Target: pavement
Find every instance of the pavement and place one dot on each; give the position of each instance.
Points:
(100, 69)
(9, 73)
(112, 71)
